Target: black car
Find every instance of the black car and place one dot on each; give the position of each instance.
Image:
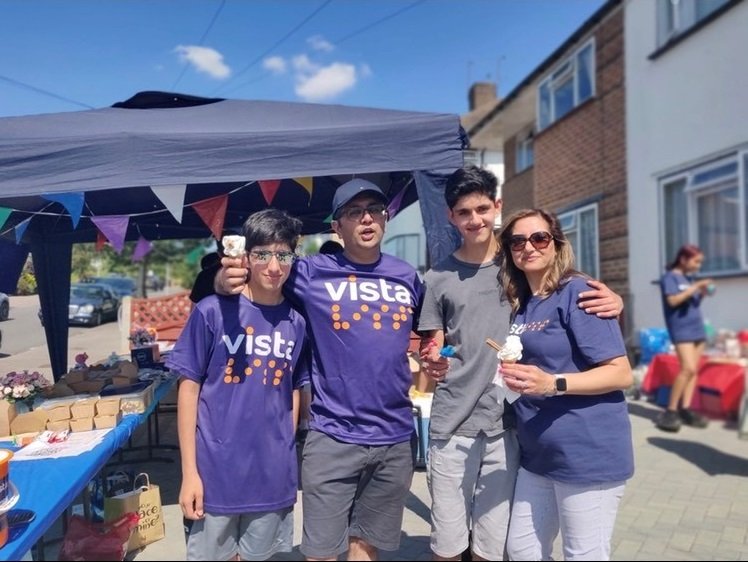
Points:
(91, 304)
(4, 307)
(123, 286)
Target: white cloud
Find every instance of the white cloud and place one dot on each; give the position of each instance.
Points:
(319, 43)
(302, 63)
(204, 59)
(365, 70)
(276, 65)
(326, 82)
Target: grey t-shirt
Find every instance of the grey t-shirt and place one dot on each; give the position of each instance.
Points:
(464, 300)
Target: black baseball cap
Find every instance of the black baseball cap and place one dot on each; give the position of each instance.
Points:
(351, 189)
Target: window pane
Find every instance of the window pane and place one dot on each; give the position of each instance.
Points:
(563, 98)
(588, 243)
(584, 73)
(718, 229)
(544, 106)
(675, 211)
(745, 208)
(724, 170)
(706, 7)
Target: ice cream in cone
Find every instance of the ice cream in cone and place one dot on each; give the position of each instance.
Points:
(233, 245)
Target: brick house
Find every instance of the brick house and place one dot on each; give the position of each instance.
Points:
(565, 144)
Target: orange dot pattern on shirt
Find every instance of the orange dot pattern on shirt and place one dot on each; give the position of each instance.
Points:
(380, 315)
(230, 378)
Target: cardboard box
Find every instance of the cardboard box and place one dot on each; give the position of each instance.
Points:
(108, 406)
(59, 390)
(58, 425)
(82, 424)
(85, 408)
(7, 415)
(29, 422)
(76, 375)
(103, 422)
(92, 386)
(57, 408)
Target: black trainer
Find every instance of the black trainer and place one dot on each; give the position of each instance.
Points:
(689, 417)
(669, 421)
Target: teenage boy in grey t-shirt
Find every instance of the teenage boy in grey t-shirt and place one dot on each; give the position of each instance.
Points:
(473, 452)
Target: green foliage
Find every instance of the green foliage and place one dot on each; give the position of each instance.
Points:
(167, 259)
(26, 283)
(27, 280)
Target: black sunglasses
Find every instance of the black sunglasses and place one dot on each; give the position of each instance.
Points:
(539, 241)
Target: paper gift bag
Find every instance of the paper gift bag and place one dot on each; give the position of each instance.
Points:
(145, 500)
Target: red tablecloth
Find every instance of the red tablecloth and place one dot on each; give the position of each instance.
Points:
(720, 384)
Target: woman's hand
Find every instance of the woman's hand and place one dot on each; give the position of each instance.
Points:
(527, 379)
(232, 276)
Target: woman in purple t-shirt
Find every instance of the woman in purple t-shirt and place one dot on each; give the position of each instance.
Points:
(573, 428)
(681, 301)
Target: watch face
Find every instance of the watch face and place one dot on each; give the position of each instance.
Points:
(561, 384)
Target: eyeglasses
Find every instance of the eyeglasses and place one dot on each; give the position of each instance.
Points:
(262, 257)
(357, 213)
(539, 241)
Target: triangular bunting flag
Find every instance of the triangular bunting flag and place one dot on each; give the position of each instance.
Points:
(4, 214)
(172, 196)
(394, 207)
(100, 241)
(213, 213)
(21, 228)
(269, 188)
(142, 247)
(114, 227)
(73, 203)
(306, 183)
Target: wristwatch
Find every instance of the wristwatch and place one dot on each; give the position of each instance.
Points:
(560, 385)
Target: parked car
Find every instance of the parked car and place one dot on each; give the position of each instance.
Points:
(154, 283)
(123, 286)
(4, 307)
(90, 304)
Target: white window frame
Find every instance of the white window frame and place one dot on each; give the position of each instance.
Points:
(573, 218)
(524, 152)
(675, 17)
(558, 75)
(693, 192)
(471, 157)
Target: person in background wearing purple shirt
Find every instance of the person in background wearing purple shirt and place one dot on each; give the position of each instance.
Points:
(573, 428)
(241, 359)
(681, 301)
(360, 305)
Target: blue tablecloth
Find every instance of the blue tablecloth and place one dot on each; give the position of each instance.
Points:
(49, 486)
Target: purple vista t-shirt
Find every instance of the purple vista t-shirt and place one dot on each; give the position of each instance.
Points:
(571, 438)
(684, 322)
(359, 321)
(248, 358)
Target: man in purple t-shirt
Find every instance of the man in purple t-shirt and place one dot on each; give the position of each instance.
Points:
(359, 305)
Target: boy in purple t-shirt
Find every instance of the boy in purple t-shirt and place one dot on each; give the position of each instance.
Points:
(241, 359)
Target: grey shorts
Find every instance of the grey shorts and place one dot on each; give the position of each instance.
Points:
(471, 480)
(254, 536)
(353, 491)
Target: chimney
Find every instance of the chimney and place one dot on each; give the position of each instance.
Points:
(480, 94)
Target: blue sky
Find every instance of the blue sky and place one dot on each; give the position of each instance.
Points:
(419, 55)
